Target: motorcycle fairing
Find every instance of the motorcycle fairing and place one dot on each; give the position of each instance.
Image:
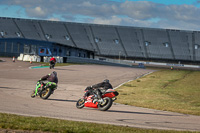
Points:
(110, 93)
(38, 86)
(89, 102)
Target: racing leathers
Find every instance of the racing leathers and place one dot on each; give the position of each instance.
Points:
(98, 89)
(52, 61)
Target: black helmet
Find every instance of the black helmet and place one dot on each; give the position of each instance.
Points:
(106, 81)
(55, 73)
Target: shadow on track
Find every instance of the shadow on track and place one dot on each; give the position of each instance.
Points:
(64, 69)
(8, 88)
(62, 100)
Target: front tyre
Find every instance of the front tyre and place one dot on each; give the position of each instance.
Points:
(33, 94)
(45, 93)
(106, 104)
(80, 103)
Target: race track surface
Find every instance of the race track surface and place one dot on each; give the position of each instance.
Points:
(18, 82)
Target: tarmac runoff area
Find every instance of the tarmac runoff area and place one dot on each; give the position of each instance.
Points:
(18, 81)
(36, 67)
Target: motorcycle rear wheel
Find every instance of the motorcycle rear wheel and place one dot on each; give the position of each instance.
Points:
(80, 103)
(106, 104)
(45, 93)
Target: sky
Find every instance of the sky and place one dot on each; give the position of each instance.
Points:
(165, 14)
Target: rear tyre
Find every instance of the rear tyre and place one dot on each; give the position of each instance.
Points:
(45, 93)
(106, 104)
(80, 103)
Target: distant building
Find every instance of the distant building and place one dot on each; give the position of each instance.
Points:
(52, 38)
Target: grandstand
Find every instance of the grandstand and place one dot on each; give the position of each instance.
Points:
(64, 39)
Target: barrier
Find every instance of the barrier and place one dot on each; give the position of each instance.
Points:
(38, 59)
(58, 59)
(20, 57)
(72, 59)
(34, 58)
(31, 58)
(26, 58)
(46, 59)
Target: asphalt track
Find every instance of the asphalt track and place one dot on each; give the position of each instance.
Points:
(18, 81)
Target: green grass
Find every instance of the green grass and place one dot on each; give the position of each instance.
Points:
(15, 122)
(168, 90)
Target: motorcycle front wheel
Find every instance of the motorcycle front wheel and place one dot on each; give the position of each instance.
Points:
(45, 93)
(80, 103)
(33, 94)
(106, 104)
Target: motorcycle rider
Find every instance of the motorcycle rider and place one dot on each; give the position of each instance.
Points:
(52, 61)
(98, 89)
(51, 78)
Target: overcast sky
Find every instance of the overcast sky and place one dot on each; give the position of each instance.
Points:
(167, 14)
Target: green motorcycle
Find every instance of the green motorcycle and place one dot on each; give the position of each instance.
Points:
(44, 90)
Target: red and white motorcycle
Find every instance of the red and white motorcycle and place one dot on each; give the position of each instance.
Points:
(104, 104)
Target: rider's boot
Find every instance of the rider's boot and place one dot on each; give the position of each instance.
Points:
(100, 100)
(95, 99)
(99, 97)
(39, 90)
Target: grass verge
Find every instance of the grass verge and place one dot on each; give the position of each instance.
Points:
(168, 90)
(15, 122)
